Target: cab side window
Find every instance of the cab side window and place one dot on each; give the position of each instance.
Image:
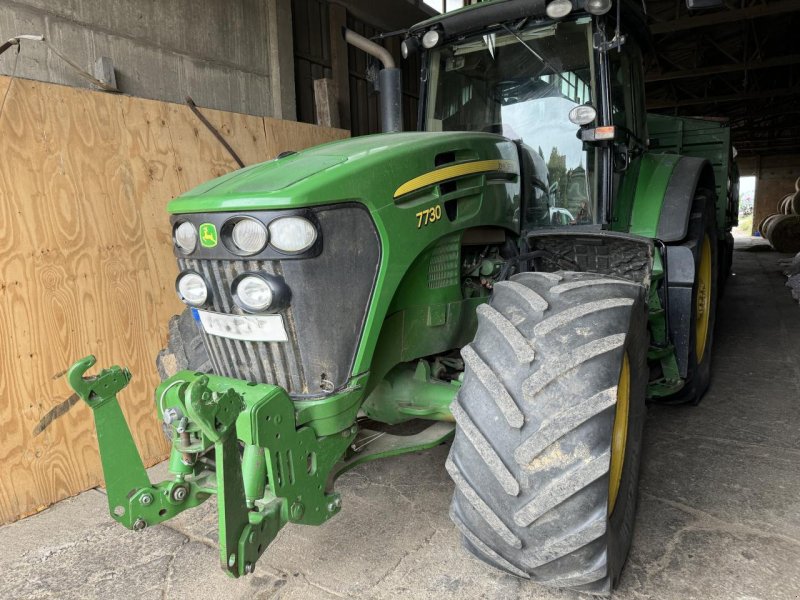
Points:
(627, 101)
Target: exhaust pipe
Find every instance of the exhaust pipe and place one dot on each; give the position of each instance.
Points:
(389, 81)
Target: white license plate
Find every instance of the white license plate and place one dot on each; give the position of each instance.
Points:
(250, 328)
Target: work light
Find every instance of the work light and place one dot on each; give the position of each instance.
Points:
(558, 9)
(598, 7)
(192, 289)
(252, 293)
(292, 234)
(409, 46)
(582, 115)
(431, 38)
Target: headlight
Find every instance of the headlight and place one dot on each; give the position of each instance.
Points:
(598, 7)
(558, 9)
(292, 234)
(249, 236)
(252, 293)
(431, 38)
(186, 237)
(192, 289)
(582, 115)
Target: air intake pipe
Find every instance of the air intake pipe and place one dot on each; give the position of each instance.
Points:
(389, 81)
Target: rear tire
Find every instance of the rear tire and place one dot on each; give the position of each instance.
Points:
(726, 261)
(533, 449)
(702, 227)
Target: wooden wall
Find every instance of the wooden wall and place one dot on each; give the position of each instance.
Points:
(86, 263)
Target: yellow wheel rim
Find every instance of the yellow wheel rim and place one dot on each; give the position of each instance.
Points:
(619, 434)
(703, 301)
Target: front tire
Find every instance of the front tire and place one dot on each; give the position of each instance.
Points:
(545, 460)
(185, 349)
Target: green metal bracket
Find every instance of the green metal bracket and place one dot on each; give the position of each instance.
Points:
(232, 511)
(661, 350)
(298, 462)
(133, 501)
(214, 412)
(282, 474)
(270, 468)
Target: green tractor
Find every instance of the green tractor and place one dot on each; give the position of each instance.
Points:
(384, 294)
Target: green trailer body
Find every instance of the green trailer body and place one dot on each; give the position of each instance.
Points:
(387, 267)
(706, 139)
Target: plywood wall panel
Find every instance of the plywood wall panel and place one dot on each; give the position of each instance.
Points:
(86, 263)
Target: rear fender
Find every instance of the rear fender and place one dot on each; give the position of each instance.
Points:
(670, 225)
(680, 282)
(690, 173)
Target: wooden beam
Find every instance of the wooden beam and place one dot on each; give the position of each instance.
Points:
(280, 41)
(337, 18)
(727, 16)
(778, 61)
(325, 102)
(658, 104)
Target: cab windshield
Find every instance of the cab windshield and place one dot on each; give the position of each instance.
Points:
(522, 84)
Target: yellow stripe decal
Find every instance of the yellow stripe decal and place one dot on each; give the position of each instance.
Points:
(445, 173)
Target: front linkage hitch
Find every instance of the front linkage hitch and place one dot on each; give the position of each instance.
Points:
(267, 459)
(265, 470)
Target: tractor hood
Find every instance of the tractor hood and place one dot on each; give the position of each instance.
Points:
(374, 170)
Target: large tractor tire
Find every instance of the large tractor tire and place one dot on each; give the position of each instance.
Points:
(549, 428)
(726, 246)
(702, 239)
(185, 349)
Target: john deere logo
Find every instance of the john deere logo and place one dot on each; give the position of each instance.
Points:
(208, 235)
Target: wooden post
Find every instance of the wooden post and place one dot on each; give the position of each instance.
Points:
(340, 66)
(325, 102)
(280, 40)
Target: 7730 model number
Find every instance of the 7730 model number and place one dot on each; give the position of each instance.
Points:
(429, 215)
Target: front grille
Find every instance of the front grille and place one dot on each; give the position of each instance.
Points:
(331, 293)
(278, 363)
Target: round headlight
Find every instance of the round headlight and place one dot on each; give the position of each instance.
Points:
(409, 46)
(186, 237)
(598, 7)
(249, 236)
(431, 38)
(292, 234)
(558, 9)
(582, 115)
(252, 293)
(192, 289)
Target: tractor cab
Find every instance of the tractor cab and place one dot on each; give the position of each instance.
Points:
(566, 90)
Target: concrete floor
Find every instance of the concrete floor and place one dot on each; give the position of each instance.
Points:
(719, 513)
